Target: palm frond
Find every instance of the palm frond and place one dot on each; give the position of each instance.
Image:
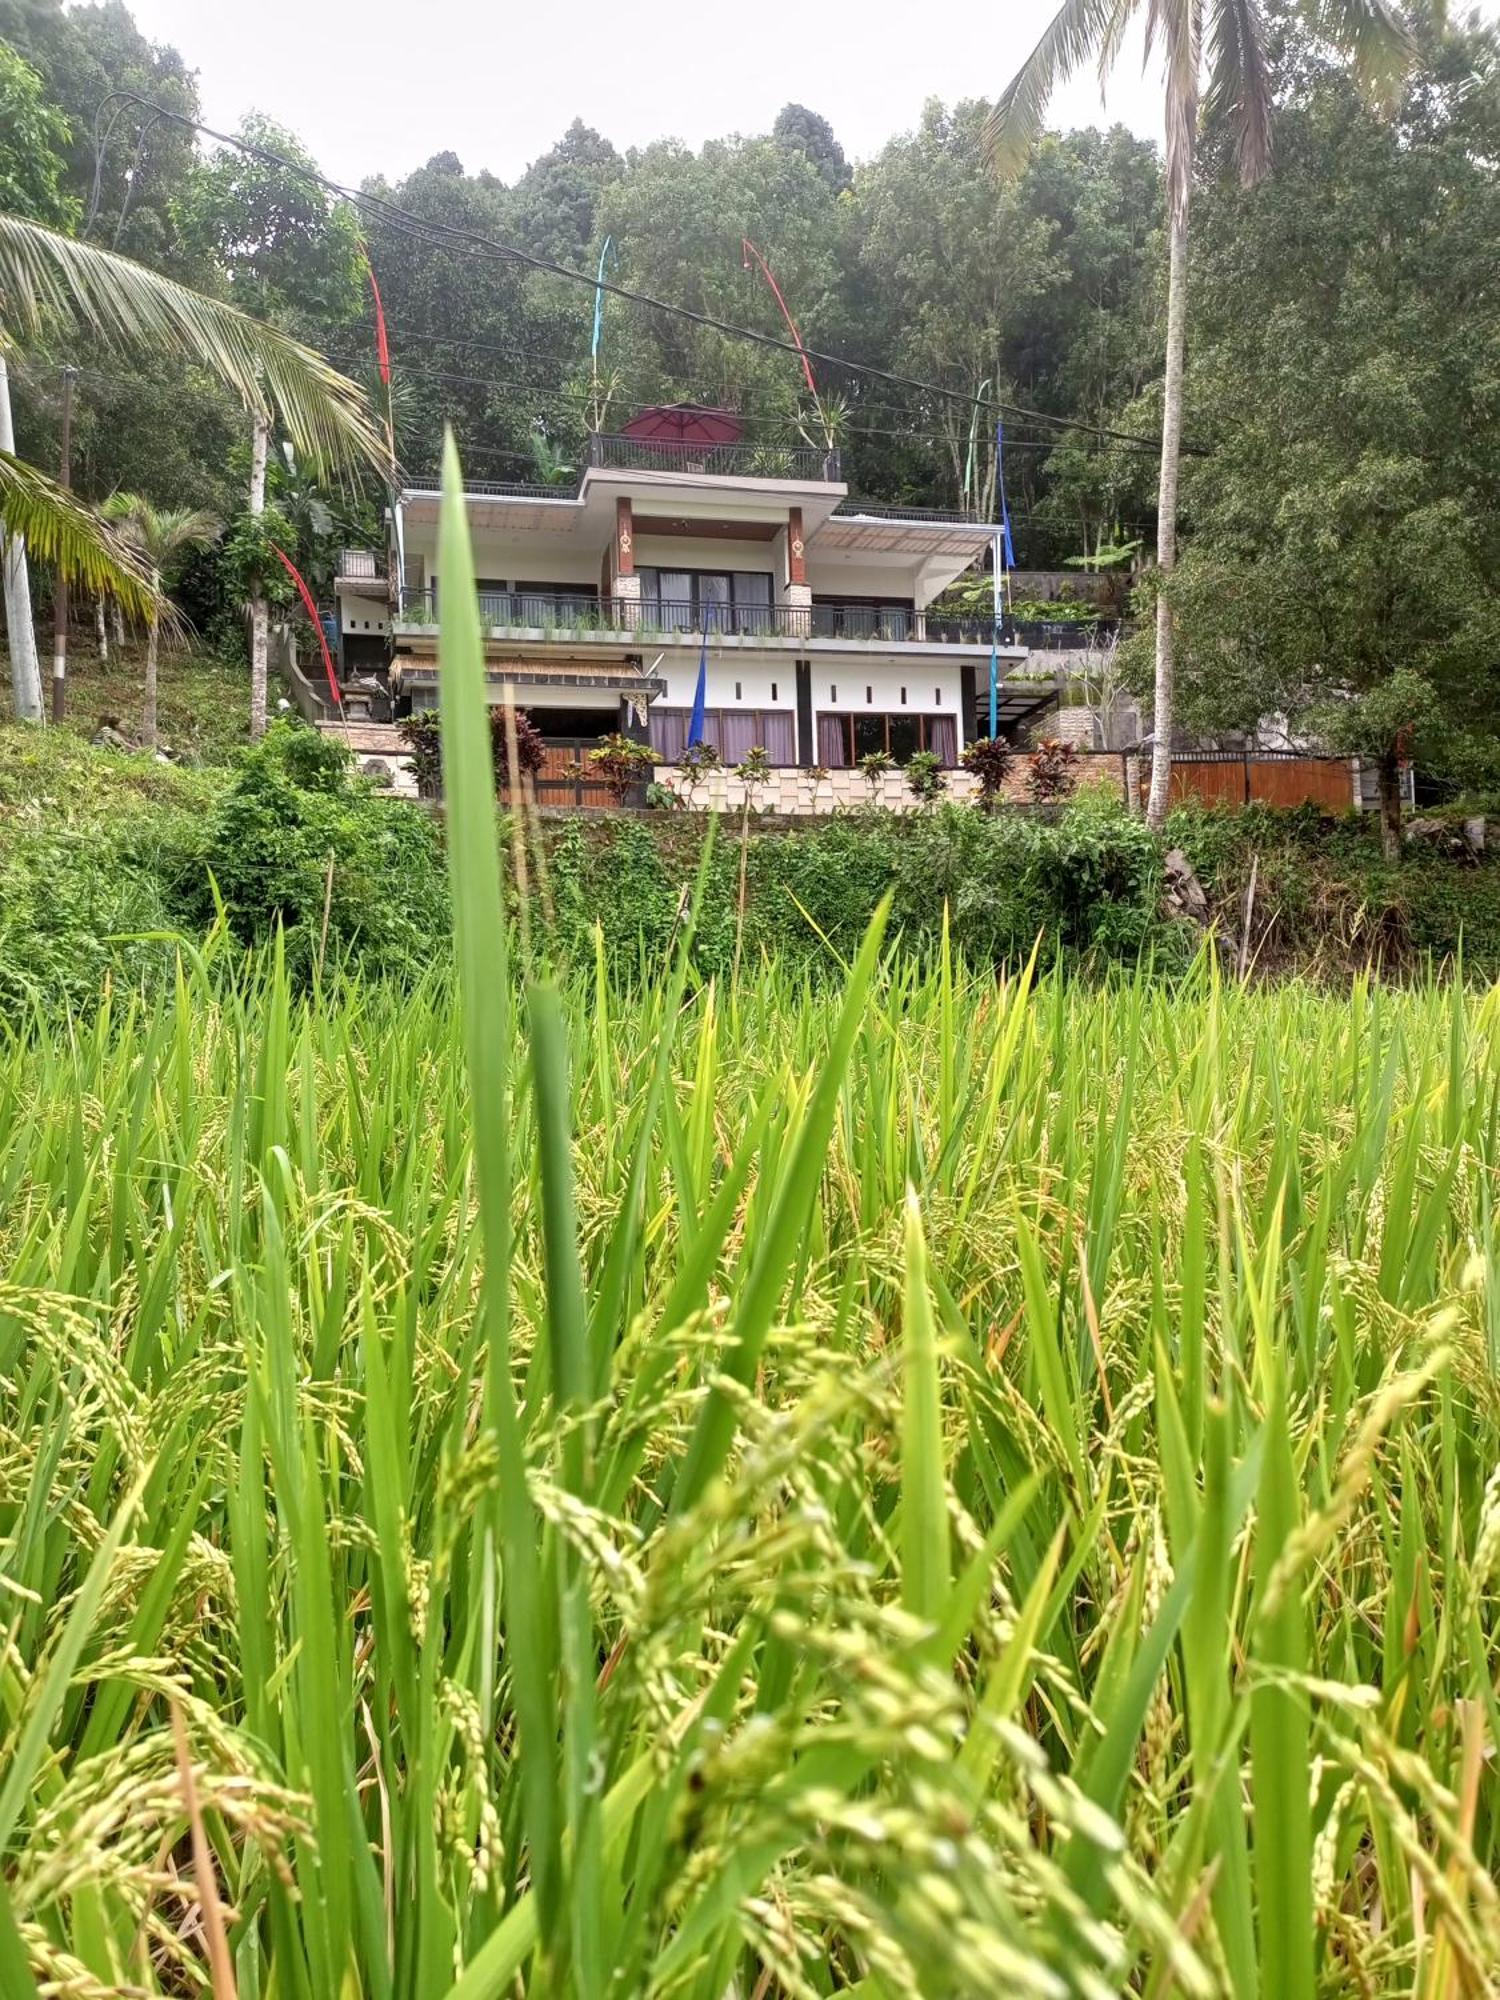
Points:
(1240, 84)
(1178, 25)
(1375, 38)
(1078, 28)
(58, 529)
(43, 274)
(160, 533)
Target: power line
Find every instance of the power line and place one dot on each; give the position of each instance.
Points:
(571, 398)
(445, 235)
(424, 371)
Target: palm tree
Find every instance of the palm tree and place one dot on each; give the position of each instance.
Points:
(45, 279)
(1371, 34)
(161, 535)
(70, 536)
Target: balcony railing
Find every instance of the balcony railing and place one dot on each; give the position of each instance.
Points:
(558, 614)
(808, 463)
(1064, 635)
(358, 563)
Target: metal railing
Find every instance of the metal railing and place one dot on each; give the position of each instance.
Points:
(358, 563)
(1063, 635)
(718, 461)
(496, 489)
(886, 510)
(563, 614)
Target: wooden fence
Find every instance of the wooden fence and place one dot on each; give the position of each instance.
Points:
(1230, 779)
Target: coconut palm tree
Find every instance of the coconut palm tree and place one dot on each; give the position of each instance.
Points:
(1229, 36)
(69, 535)
(161, 534)
(47, 279)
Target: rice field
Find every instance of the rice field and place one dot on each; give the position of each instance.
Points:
(923, 1484)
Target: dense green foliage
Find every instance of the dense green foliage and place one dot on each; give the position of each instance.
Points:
(97, 847)
(1344, 565)
(915, 260)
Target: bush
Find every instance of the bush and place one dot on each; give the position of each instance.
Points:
(423, 737)
(1051, 774)
(926, 779)
(988, 759)
(622, 764)
(292, 811)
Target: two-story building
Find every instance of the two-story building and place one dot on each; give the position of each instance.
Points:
(599, 600)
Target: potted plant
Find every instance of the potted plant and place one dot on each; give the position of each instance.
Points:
(989, 761)
(622, 764)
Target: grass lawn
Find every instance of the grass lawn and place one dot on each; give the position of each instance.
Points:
(203, 706)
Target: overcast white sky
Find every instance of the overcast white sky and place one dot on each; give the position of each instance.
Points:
(383, 84)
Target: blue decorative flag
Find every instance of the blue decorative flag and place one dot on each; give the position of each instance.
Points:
(606, 252)
(1006, 542)
(700, 694)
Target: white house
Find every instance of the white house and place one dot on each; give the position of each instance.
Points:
(683, 540)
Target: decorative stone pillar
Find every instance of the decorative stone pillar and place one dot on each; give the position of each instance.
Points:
(622, 561)
(798, 590)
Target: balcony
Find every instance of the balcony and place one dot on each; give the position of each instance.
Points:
(808, 464)
(559, 616)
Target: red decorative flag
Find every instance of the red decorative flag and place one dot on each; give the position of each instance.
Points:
(317, 624)
(747, 251)
(382, 346)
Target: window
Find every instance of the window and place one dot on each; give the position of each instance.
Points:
(733, 732)
(739, 692)
(903, 697)
(773, 690)
(844, 739)
(683, 600)
(862, 618)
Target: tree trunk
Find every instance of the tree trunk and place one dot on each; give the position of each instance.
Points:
(25, 669)
(148, 706)
(258, 611)
(1390, 806)
(1166, 514)
(101, 632)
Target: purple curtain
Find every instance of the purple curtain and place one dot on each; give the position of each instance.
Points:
(739, 733)
(833, 742)
(942, 736)
(669, 728)
(779, 735)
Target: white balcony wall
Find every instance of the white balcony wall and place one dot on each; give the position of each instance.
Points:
(854, 682)
(755, 678)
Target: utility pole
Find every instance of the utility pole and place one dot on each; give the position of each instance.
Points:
(60, 582)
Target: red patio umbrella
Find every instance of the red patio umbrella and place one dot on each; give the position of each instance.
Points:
(685, 423)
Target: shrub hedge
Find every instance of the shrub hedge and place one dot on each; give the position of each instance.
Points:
(104, 857)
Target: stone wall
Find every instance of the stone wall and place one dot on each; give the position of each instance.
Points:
(798, 792)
